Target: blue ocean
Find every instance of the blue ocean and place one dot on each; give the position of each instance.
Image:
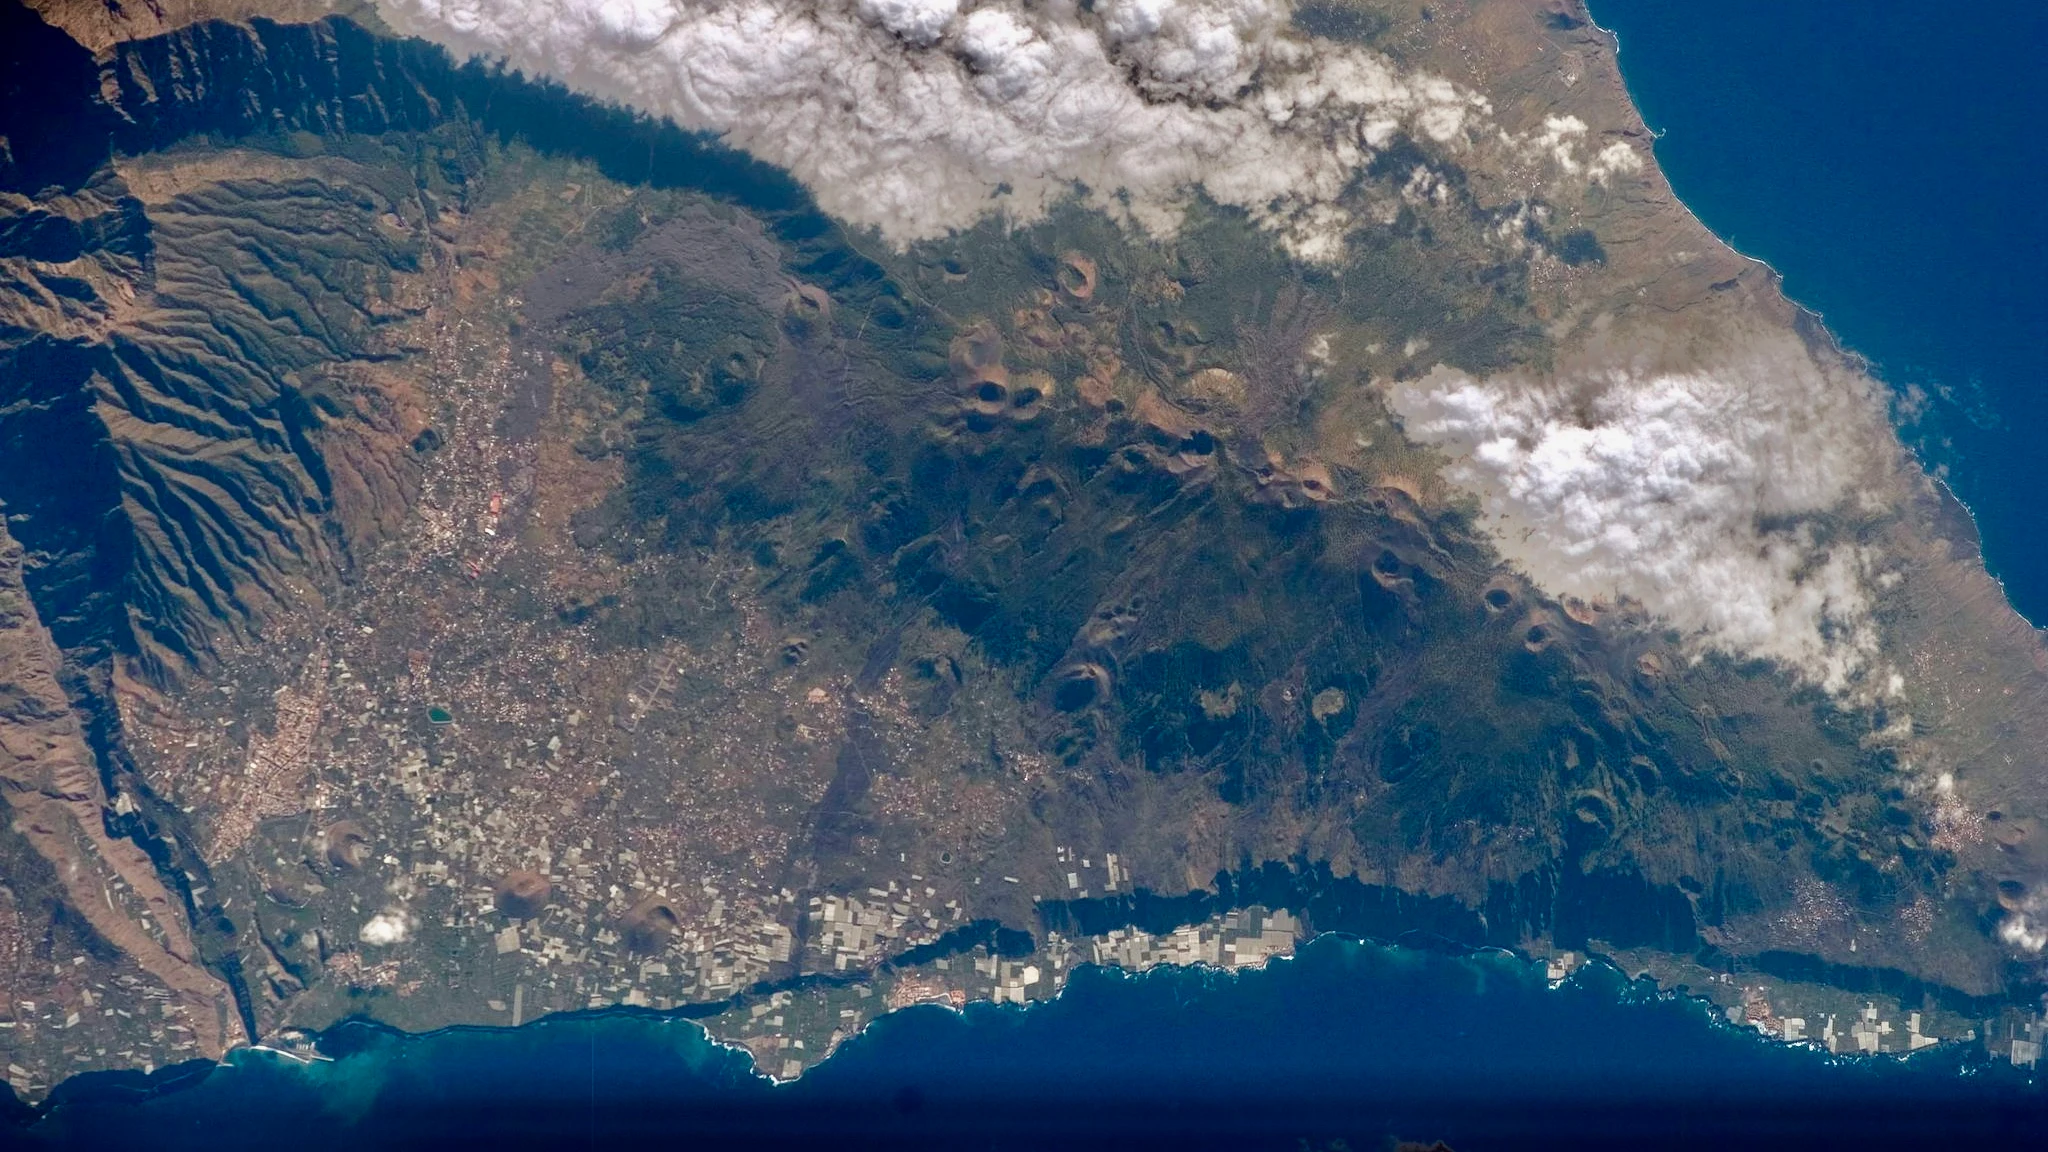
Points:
(1347, 1045)
(1885, 158)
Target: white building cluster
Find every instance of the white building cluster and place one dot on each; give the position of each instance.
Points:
(854, 933)
(1242, 939)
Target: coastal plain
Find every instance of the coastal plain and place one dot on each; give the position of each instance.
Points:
(472, 552)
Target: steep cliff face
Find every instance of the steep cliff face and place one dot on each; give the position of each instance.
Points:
(101, 24)
(199, 437)
(52, 132)
(1021, 546)
(73, 887)
(191, 342)
(190, 356)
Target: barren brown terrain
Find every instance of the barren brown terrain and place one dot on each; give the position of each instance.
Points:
(471, 553)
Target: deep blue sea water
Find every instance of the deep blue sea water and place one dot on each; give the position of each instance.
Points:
(1347, 1041)
(1886, 157)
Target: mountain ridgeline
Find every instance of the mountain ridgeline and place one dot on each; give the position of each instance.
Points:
(1098, 518)
(204, 445)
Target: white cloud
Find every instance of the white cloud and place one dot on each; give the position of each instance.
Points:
(1695, 492)
(388, 927)
(921, 22)
(1617, 159)
(2023, 933)
(1559, 136)
(1559, 142)
(908, 115)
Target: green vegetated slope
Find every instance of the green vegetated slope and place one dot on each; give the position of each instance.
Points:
(1102, 470)
(1183, 606)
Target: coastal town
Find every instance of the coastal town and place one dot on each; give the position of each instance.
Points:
(726, 632)
(790, 1030)
(478, 794)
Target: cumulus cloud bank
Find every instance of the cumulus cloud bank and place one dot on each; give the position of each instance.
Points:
(391, 926)
(1692, 492)
(1684, 491)
(2024, 932)
(921, 116)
